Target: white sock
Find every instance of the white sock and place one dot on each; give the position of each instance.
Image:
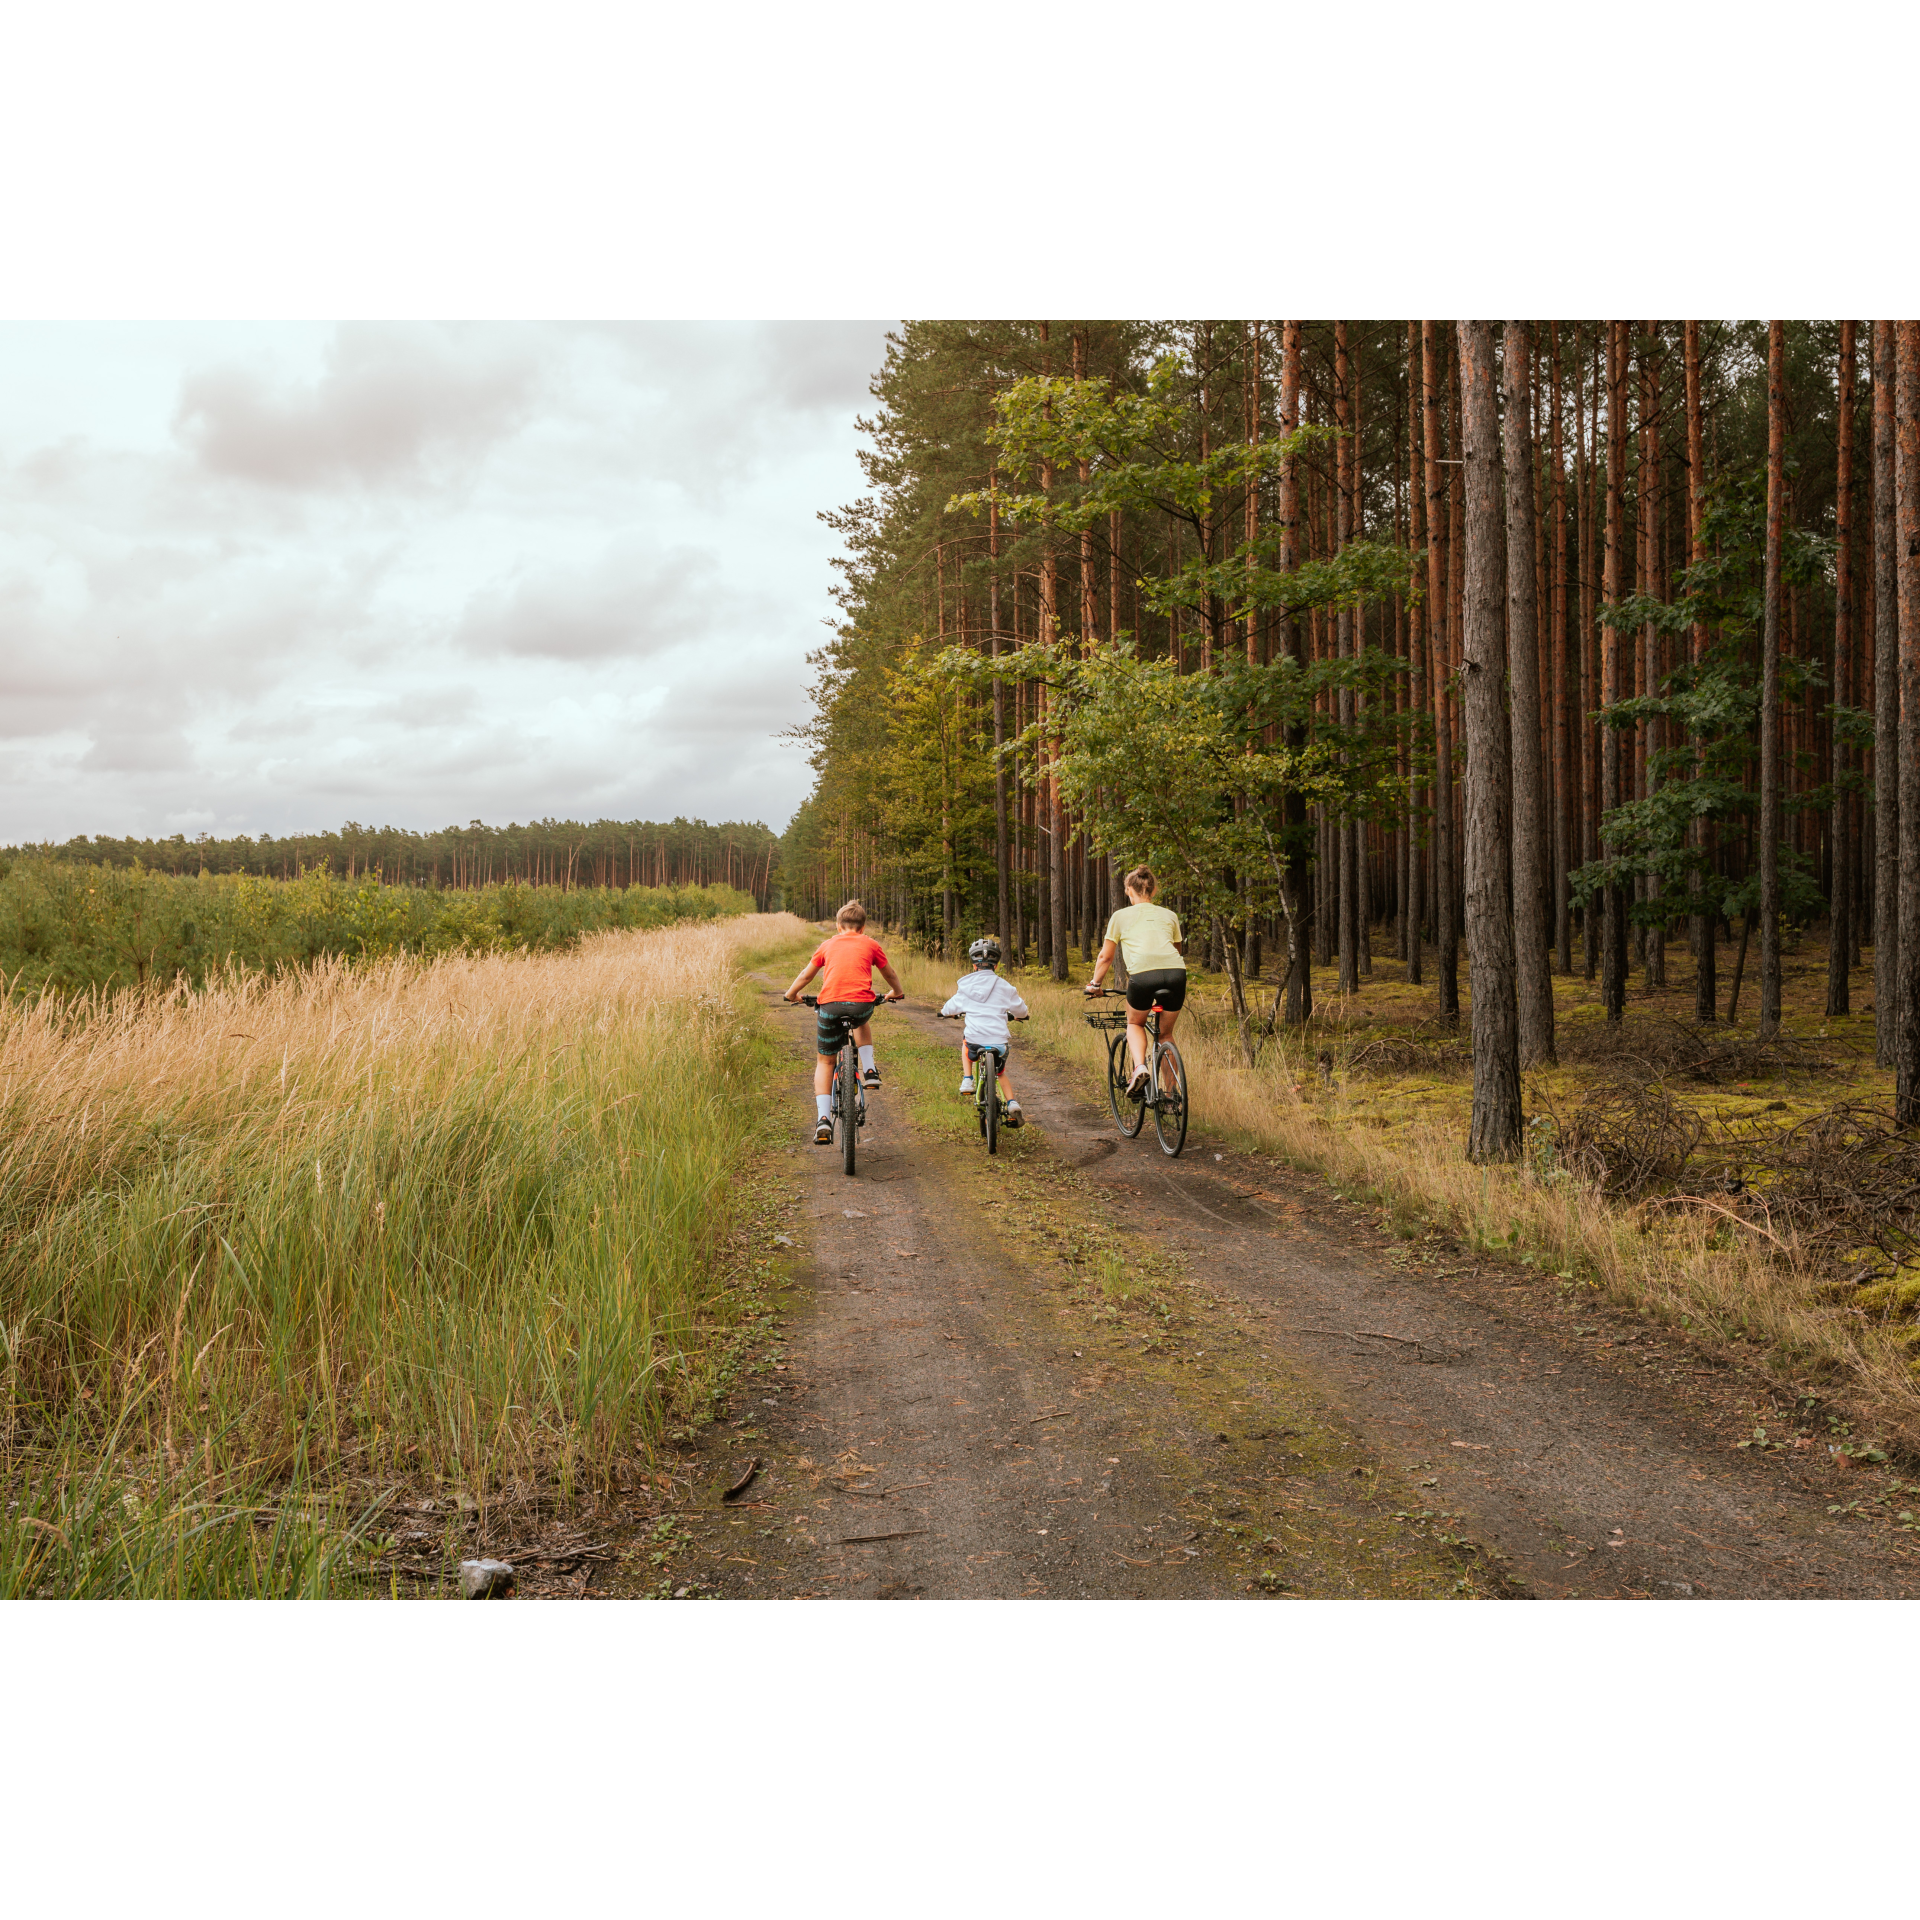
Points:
(824, 1101)
(866, 1058)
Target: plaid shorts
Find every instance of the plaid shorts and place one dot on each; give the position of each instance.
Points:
(834, 1020)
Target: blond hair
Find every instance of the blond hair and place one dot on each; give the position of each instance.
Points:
(1141, 880)
(853, 914)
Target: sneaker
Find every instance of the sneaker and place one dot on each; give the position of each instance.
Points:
(823, 1134)
(1138, 1084)
(871, 1078)
(966, 1083)
(1014, 1116)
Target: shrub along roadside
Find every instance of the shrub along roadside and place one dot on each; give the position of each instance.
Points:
(66, 928)
(269, 1248)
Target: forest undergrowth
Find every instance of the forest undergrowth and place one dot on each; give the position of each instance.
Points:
(273, 1250)
(1755, 1195)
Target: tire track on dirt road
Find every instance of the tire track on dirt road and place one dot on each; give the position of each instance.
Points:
(960, 1415)
(954, 1417)
(1588, 1470)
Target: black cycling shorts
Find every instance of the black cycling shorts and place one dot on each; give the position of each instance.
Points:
(834, 1020)
(1164, 987)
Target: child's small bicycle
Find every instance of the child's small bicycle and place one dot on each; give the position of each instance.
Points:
(988, 1105)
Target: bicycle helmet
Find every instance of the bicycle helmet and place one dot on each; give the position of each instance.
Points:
(985, 953)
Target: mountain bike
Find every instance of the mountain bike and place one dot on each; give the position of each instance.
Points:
(1163, 1092)
(988, 1105)
(849, 1109)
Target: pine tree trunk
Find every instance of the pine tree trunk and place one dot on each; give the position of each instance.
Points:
(1456, 613)
(1770, 685)
(1296, 891)
(1588, 836)
(1562, 693)
(1906, 509)
(1706, 920)
(1652, 665)
(1613, 934)
(1357, 828)
(1496, 1122)
(1446, 936)
(1250, 421)
(1415, 910)
(1534, 985)
(1343, 645)
(1084, 874)
(1886, 707)
(1840, 936)
(1053, 833)
(1001, 926)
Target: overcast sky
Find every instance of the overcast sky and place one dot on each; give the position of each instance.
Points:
(269, 577)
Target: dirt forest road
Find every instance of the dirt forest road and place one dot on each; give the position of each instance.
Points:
(1262, 1395)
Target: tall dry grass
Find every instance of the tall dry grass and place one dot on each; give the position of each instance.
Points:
(463, 1214)
(1708, 1269)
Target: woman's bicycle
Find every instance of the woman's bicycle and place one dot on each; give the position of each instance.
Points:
(849, 1109)
(1163, 1091)
(988, 1105)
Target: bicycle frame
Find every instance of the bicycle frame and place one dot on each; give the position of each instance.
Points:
(847, 1097)
(1168, 1105)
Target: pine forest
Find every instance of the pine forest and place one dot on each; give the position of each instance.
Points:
(552, 853)
(1466, 655)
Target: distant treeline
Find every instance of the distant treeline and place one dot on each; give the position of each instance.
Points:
(68, 928)
(544, 853)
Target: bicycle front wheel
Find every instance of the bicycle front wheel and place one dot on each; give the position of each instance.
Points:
(1129, 1115)
(849, 1107)
(1170, 1109)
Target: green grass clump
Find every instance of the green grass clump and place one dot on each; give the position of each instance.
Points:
(95, 1517)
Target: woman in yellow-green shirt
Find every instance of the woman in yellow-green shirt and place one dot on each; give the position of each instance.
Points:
(1148, 938)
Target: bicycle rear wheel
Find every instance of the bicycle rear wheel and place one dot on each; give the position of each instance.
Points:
(1129, 1115)
(849, 1106)
(1170, 1109)
(988, 1095)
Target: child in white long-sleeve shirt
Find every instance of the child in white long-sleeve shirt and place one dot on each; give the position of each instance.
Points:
(986, 1001)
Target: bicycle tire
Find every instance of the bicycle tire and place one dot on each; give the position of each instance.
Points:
(849, 1109)
(1129, 1115)
(1170, 1109)
(989, 1098)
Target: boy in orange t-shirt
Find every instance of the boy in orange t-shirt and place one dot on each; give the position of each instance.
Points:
(847, 964)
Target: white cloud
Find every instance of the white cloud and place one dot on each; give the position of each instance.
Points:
(413, 573)
(632, 603)
(389, 404)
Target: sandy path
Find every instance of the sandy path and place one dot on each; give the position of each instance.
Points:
(958, 1418)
